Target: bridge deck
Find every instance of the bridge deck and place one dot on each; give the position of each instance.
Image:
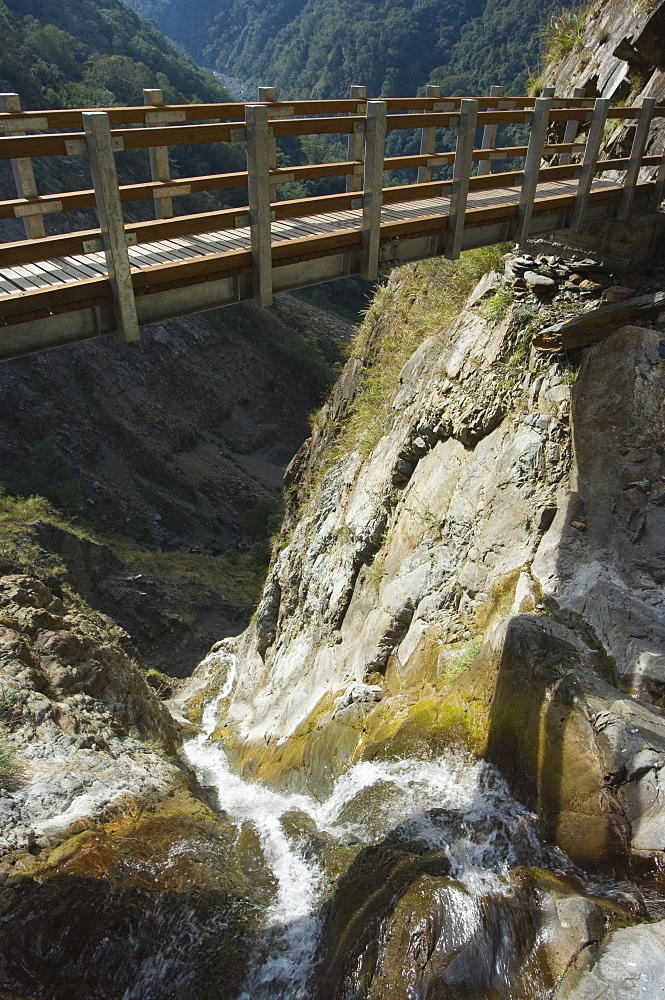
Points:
(64, 270)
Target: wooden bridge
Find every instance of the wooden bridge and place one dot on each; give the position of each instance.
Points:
(60, 289)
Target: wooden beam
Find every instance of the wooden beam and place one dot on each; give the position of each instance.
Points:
(24, 176)
(375, 145)
(428, 141)
(109, 210)
(356, 141)
(488, 140)
(160, 169)
(537, 141)
(268, 95)
(660, 185)
(589, 162)
(65, 119)
(466, 134)
(258, 169)
(73, 143)
(636, 153)
(570, 130)
(55, 298)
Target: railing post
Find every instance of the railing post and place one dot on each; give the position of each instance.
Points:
(570, 132)
(354, 182)
(488, 140)
(548, 92)
(159, 159)
(109, 209)
(375, 148)
(588, 171)
(266, 96)
(636, 153)
(466, 135)
(258, 189)
(24, 175)
(657, 196)
(534, 155)
(428, 140)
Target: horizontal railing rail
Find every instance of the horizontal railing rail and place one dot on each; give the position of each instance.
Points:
(41, 121)
(74, 143)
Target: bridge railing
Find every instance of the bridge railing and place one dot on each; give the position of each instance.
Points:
(157, 127)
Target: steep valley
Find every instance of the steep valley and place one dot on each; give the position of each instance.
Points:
(431, 765)
(169, 457)
(332, 657)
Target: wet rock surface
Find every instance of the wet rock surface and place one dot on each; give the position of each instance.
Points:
(628, 964)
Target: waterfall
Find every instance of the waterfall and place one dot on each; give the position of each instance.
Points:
(449, 804)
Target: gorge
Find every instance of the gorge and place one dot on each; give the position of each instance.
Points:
(431, 765)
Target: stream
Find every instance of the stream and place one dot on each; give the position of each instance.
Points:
(451, 808)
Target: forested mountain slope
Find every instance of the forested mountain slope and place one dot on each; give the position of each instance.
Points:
(100, 53)
(317, 48)
(78, 53)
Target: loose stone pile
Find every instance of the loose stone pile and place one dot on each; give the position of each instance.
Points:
(547, 276)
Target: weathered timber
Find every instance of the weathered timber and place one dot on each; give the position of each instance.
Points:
(24, 178)
(259, 138)
(428, 141)
(354, 181)
(375, 144)
(59, 287)
(636, 153)
(459, 191)
(590, 161)
(489, 137)
(537, 142)
(268, 95)
(109, 209)
(570, 131)
(160, 169)
(139, 115)
(597, 324)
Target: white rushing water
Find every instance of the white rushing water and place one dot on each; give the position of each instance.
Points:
(449, 804)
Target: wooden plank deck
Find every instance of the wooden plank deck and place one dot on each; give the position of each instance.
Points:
(65, 270)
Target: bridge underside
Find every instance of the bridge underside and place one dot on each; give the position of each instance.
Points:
(67, 300)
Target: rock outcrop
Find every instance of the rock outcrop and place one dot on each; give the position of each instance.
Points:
(99, 878)
(487, 574)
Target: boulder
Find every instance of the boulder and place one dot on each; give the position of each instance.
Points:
(629, 966)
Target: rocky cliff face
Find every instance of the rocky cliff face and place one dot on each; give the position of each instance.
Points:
(616, 51)
(483, 568)
(100, 881)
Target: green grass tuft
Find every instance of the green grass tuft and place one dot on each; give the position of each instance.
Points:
(11, 764)
(563, 33)
(464, 657)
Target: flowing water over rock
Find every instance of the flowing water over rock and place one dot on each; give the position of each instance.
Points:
(447, 819)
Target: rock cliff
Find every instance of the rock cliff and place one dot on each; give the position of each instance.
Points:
(111, 861)
(474, 559)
